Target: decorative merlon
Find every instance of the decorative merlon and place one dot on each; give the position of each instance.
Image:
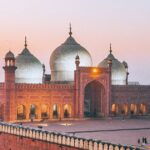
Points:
(58, 138)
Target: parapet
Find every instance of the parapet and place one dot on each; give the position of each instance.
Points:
(44, 86)
(58, 138)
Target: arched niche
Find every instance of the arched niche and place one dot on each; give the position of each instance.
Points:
(44, 111)
(21, 112)
(33, 111)
(67, 111)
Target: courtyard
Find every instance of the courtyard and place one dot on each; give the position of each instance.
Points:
(117, 131)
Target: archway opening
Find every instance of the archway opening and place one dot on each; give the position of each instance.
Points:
(114, 109)
(55, 111)
(44, 112)
(33, 111)
(124, 109)
(21, 114)
(67, 111)
(92, 99)
(133, 109)
(142, 109)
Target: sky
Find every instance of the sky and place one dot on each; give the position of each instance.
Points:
(95, 24)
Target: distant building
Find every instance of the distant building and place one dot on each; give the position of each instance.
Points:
(75, 88)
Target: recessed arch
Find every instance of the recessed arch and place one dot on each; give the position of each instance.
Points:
(55, 111)
(33, 111)
(124, 109)
(21, 112)
(67, 110)
(114, 109)
(142, 108)
(44, 111)
(133, 109)
(93, 95)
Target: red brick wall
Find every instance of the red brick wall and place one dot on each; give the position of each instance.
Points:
(13, 142)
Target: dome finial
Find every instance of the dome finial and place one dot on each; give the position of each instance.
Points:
(25, 44)
(70, 30)
(110, 50)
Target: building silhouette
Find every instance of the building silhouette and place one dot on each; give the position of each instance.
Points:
(74, 89)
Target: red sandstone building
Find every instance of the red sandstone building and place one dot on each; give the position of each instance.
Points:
(74, 89)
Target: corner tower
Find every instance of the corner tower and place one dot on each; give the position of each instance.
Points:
(9, 69)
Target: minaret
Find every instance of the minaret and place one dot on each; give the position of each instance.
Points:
(77, 61)
(43, 78)
(110, 79)
(9, 69)
(127, 73)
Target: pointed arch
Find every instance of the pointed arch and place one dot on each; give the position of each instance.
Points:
(33, 111)
(44, 111)
(93, 95)
(67, 110)
(21, 112)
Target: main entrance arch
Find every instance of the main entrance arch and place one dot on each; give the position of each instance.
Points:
(93, 99)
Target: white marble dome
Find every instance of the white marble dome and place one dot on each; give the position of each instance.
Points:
(29, 69)
(62, 60)
(119, 72)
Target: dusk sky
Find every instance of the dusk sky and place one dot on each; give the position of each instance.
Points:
(95, 24)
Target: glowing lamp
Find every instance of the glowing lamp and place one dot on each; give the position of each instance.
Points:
(94, 70)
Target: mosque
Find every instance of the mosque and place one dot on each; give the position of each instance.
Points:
(74, 89)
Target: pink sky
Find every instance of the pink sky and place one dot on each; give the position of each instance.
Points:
(95, 23)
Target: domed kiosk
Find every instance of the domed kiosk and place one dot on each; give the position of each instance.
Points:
(62, 60)
(119, 72)
(9, 55)
(29, 68)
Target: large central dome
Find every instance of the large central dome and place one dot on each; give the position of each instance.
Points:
(62, 60)
(29, 69)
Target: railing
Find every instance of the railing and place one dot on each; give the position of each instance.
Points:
(60, 139)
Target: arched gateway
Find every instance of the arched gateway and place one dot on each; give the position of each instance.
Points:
(93, 96)
(92, 92)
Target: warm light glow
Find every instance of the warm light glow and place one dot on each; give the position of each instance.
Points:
(94, 70)
(114, 108)
(142, 108)
(44, 108)
(125, 109)
(133, 108)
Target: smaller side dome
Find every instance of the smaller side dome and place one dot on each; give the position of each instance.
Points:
(9, 55)
(119, 72)
(29, 68)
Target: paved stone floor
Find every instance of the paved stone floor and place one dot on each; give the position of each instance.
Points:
(118, 131)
